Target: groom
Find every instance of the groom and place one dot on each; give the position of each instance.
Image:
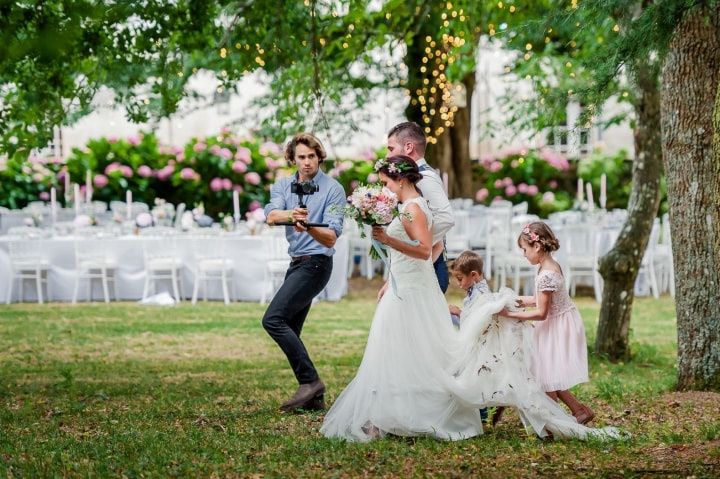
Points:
(311, 250)
(408, 139)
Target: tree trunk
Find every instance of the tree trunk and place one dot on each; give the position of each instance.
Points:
(690, 110)
(619, 267)
(451, 152)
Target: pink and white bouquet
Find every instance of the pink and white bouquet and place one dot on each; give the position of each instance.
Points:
(371, 205)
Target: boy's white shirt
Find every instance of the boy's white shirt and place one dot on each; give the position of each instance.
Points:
(434, 192)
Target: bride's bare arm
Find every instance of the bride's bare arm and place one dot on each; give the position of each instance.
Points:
(416, 228)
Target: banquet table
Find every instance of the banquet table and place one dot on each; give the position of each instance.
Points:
(248, 253)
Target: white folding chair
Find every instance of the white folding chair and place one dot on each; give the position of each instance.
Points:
(27, 262)
(162, 263)
(276, 264)
(457, 239)
(212, 264)
(94, 262)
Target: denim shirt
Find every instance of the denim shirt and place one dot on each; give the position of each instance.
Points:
(319, 211)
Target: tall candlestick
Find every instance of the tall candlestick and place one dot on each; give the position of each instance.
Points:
(580, 190)
(591, 203)
(88, 186)
(53, 204)
(67, 187)
(76, 198)
(128, 204)
(236, 206)
(603, 191)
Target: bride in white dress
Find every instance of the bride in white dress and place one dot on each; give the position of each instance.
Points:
(418, 375)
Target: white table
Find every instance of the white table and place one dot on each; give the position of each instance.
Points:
(247, 252)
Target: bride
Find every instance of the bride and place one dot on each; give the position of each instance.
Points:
(419, 376)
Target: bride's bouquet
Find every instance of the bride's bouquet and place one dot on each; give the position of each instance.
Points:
(372, 205)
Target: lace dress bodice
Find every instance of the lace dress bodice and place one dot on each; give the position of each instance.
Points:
(408, 271)
(548, 280)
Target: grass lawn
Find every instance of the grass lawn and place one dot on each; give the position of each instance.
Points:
(126, 390)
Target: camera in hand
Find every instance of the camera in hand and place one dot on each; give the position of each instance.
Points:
(302, 189)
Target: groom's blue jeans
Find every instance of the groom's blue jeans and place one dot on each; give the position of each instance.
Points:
(286, 314)
(441, 271)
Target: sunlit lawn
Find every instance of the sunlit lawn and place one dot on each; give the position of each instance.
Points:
(193, 391)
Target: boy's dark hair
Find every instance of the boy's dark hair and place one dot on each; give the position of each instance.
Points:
(467, 262)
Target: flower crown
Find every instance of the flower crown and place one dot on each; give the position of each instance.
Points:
(533, 236)
(391, 167)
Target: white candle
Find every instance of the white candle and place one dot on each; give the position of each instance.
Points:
(88, 186)
(445, 181)
(53, 204)
(236, 206)
(580, 190)
(76, 198)
(591, 203)
(67, 186)
(603, 191)
(128, 204)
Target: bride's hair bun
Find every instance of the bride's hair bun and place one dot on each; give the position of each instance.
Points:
(400, 166)
(539, 232)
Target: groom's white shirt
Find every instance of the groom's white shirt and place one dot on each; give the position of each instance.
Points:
(433, 191)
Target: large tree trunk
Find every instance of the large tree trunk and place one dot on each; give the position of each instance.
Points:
(691, 129)
(619, 268)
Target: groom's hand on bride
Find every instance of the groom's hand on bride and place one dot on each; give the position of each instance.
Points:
(454, 309)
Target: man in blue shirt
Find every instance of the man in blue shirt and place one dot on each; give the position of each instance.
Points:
(311, 250)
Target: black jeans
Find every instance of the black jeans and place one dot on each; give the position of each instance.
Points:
(286, 314)
(441, 271)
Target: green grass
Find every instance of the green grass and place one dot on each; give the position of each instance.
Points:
(126, 390)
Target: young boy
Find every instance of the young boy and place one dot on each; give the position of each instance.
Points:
(467, 271)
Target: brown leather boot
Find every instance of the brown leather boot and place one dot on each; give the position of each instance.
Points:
(304, 394)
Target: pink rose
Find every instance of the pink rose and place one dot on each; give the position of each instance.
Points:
(239, 167)
(164, 173)
(372, 178)
(44, 195)
(215, 150)
(238, 188)
(498, 184)
(548, 197)
(507, 181)
(495, 166)
(255, 204)
(134, 140)
(127, 172)
(145, 171)
(253, 178)
(100, 181)
(553, 184)
(481, 195)
(226, 184)
(510, 190)
(199, 146)
(532, 190)
(112, 139)
(189, 174)
(225, 153)
(114, 166)
(522, 188)
(215, 184)
(270, 147)
(243, 154)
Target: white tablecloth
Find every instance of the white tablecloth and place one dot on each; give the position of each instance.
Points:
(247, 252)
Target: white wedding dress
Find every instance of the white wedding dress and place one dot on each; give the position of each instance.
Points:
(419, 376)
